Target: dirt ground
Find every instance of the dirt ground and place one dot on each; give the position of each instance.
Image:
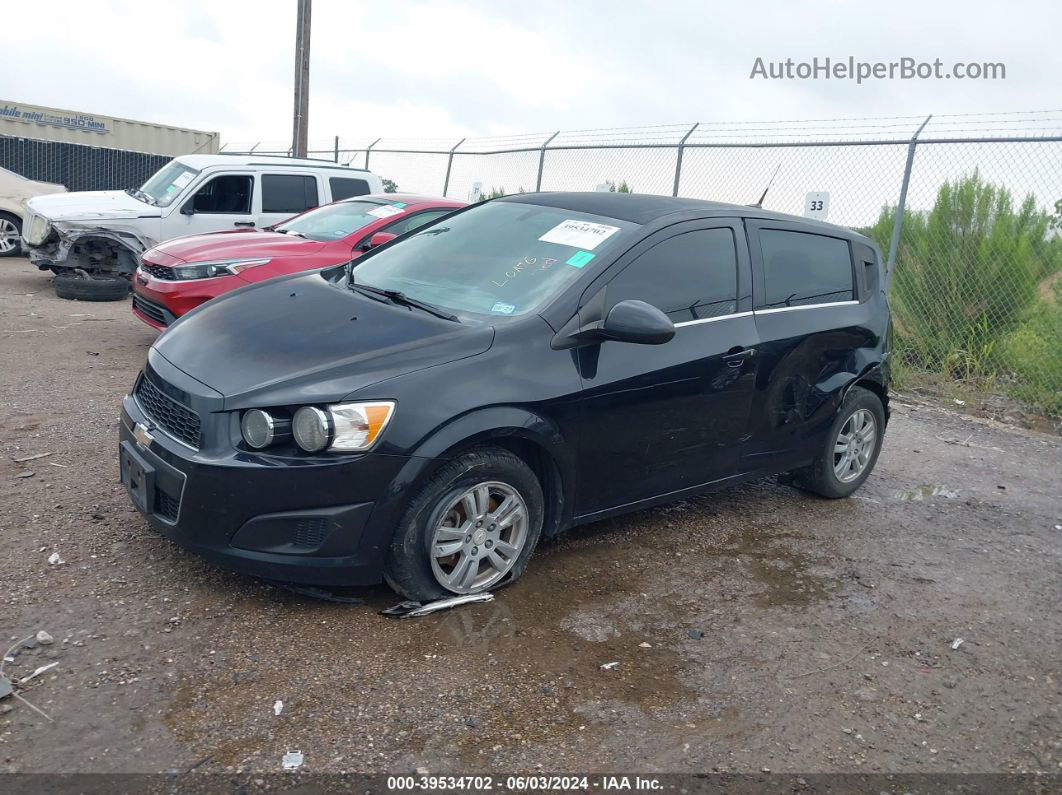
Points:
(757, 628)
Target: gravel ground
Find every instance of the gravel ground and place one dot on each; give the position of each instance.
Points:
(757, 628)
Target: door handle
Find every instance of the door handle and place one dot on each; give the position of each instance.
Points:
(738, 356)
(244, 223)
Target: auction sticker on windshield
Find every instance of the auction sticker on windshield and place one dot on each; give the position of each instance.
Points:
(386, 211)
(579, 234)
(183, 179)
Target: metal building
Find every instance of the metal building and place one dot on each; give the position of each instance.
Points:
(86, 151)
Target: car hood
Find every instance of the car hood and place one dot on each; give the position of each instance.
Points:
(306, 339)
(238, 245)
(91, 205)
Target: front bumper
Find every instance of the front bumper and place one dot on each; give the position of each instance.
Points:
(159, 303)
(322, 520)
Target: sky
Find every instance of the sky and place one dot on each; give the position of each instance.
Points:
(442, 70)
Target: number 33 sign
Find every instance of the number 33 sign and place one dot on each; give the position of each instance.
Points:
(817, 205)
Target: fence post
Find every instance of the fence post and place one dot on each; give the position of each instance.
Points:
(449, 164)
(678, 158)
(337, 149)
(369, 149)
(542, 160)
(897, 224)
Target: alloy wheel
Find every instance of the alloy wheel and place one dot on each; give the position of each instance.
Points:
(854, 446)
(8, 236)
(480, 537)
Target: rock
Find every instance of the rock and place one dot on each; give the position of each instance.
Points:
(44, 638)
(29, 643)
(26, 473)
(421, 771)
(5, 708)
(696, 634)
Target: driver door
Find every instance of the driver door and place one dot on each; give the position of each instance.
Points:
(221, 203)
(657, 419)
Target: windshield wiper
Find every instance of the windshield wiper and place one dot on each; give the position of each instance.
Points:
(136, 193)
(397, 297)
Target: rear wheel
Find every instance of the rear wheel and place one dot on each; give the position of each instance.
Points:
(471, 528)
(851, 449)
(75, 286)
(10, 235)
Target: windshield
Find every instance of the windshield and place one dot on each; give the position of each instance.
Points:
(335, 221)
(166, 184)
(500, 259)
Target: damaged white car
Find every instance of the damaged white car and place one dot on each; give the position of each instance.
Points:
(15, 189)
(92, 240)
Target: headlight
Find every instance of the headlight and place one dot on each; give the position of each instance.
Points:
(38, 230)
(357, 426)
(261, 429)
(312, 429)
(209, 270)
(349, 427)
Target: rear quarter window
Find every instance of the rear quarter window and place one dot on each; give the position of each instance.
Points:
(288, 193)
(803, 268)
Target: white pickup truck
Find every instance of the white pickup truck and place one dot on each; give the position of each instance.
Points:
(92, 240)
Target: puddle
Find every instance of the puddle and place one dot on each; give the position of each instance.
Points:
(927, 490)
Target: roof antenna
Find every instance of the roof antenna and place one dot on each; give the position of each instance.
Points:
(759, 205)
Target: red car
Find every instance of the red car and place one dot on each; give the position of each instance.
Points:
(179, 275)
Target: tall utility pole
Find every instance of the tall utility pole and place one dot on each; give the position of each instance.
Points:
(302, 80)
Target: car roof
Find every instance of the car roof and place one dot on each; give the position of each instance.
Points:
(205, 161)
(644, 208)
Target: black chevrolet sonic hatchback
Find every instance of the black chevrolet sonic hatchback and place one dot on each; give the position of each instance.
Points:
(519, 367)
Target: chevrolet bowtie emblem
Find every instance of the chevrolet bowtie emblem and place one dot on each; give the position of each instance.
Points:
(143, 438)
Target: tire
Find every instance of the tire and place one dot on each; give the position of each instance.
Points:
(822, 476)
(10, 235)
(105, 287)
(440, 506)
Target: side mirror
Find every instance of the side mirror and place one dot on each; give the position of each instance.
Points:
(188, 208)
(637, 322)
(378, 240)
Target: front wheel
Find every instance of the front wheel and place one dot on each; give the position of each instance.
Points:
(851, 449)
(472, 527)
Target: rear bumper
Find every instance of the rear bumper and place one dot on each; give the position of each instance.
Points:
(322, 521)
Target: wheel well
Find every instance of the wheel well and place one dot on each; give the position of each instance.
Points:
(541, 463)
(873, 386)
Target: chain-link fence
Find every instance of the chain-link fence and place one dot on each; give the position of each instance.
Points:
(969, 208)
(77, 166)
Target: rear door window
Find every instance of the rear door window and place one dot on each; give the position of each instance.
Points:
(692, 276)
(288, 193)
(803, 268)
(345, 187)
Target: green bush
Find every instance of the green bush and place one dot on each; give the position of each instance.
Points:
(967, 277)
(1033, 351)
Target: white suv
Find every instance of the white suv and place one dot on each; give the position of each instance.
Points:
(101, 234)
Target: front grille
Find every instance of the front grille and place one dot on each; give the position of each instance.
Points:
(159, 271)
(309, 533)
(166, 506)
(152, 310)
(177, 420)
